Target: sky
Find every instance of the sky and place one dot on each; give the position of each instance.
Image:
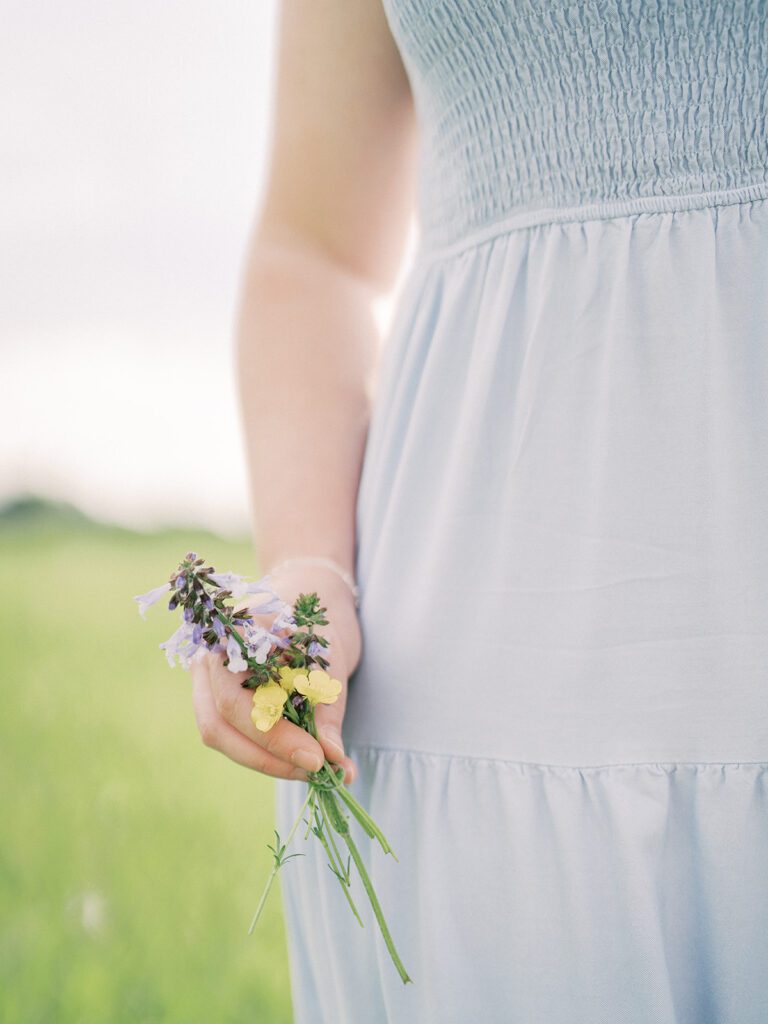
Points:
(133, 141)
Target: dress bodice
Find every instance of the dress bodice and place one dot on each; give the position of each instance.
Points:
(530, 104)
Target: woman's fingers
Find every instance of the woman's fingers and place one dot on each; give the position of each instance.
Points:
(284, 740)
(329, 717)
(220, 735)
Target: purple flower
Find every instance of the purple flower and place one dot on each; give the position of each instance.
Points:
(182, 645)
(237, 585)
(258, 588)
(237, 662)
(197, 634)
(188, 614)
(259, 642)
(284, 618)
(314, 648)
(145, 600)
(218, 626)
(227, 580)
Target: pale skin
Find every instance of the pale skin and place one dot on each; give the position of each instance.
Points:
(328, 242)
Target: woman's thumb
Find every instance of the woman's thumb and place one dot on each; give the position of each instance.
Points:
(328, 722)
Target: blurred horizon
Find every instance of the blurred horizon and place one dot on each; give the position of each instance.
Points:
(32, 514)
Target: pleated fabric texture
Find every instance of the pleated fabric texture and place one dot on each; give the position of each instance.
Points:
(524, 104)
(534, 893)
(561, 712)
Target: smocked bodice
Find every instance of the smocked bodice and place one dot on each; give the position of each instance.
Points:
(532, 104)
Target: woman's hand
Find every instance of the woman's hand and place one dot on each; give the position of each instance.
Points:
(223, 706)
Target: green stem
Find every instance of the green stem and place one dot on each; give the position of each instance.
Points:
(321, 836)
(366, 821)
(276, 866)
(360, 813)
(341, 825)
(376, 906)
(312, 801)
(331, 840)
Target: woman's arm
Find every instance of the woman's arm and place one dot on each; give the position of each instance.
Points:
(328, 242)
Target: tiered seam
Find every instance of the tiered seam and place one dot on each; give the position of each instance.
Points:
(511, 762)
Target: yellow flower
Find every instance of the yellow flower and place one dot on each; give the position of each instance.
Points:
(268, 700)
(317, 686)
(287, 676)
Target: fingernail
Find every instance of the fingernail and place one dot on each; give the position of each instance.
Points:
(307, 760)
(333, 736)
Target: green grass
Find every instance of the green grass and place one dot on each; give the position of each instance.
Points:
(131, 856)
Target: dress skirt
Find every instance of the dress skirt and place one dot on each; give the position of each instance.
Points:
(560, 715)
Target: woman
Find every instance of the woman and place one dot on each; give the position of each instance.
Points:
(557, 698)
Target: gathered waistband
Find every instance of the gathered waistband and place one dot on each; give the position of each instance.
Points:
(523, 219)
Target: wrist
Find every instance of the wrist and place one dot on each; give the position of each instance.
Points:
(334, 595)
(305, 564)
(291, 580)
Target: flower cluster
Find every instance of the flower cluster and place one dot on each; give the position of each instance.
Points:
(287, 671)
(202, 593)
(280, 659)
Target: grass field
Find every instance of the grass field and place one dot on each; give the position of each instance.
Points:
(131, 856)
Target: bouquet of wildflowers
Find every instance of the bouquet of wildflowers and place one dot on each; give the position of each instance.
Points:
(288, 676)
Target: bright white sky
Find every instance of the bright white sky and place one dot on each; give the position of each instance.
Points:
(133, 143)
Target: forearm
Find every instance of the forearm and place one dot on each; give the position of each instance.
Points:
(307, 346)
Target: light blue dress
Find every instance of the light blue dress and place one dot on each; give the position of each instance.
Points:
(561, 711)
